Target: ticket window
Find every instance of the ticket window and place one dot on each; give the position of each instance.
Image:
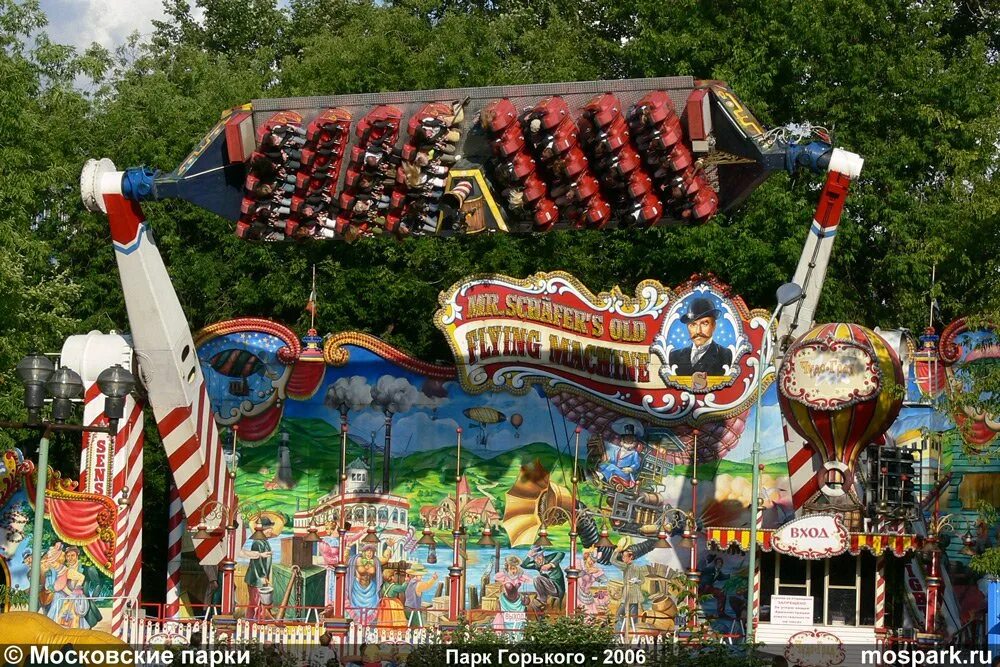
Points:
(842, 588)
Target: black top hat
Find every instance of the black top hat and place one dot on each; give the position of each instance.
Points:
(699, 308)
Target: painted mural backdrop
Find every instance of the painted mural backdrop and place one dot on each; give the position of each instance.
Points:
(519, 413)
(960, 469)
(661, 385)
(77, 540)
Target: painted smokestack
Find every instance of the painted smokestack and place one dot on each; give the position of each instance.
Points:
(387, 455)
(284, 476)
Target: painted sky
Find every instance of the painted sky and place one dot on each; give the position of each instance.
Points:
(425, 428)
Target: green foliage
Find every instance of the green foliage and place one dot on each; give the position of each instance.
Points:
(591, 636)
(35, 185)
(270, 655)
(13, 598)
(988, 514)
(573, 630)
(986, 563)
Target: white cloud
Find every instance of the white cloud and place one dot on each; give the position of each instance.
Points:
(108, 22)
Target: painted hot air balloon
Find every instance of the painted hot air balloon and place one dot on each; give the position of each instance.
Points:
(516, 420)
(435, 392)
(840, 386)
(239, 365)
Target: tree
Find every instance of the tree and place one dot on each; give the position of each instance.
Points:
(912, 90)
(37, 295)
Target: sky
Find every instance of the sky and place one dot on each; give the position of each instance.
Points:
(108, 22)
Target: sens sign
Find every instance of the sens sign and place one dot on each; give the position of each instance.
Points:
(812, 537)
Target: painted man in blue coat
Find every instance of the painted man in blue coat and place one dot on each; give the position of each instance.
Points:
(625, 462)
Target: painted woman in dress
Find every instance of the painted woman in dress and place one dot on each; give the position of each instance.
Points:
(365, 574)
(390, 608)
(54, 572)
(511, 616)
(591, 576)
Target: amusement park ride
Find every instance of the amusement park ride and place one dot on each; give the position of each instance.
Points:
(518, 160)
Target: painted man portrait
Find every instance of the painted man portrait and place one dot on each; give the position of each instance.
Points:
(704, 357)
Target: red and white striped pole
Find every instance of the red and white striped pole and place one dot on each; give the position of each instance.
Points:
(880, 600)
(165, 348)
(175, 537)
(128, 487)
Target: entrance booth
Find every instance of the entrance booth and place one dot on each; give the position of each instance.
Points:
(820, 589)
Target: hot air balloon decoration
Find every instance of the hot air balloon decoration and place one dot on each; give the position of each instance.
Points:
(484, 416)
(840, 387)
(516, 420)
(239, 365)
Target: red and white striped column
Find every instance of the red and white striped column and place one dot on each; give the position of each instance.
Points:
(112, 466)
(880, 600)
(175, 542)
(128, 486)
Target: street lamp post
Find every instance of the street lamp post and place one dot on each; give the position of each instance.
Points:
(64, 385)
(787, 294)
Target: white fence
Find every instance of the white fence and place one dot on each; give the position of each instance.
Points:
(182, 631)
(156, 631)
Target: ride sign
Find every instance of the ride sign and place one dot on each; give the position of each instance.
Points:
(812, 537)
(667, 356)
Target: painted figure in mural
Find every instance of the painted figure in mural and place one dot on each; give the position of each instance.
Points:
(550, 583)
(390, 608)
(511, 616)
(413, 600)
(625, 463)
(704, 356)
(331, 557)
(258, 574)
(365, 574)
(77, 611)
(591, 601)
(711, 583)
(633, 579)
(54, 576)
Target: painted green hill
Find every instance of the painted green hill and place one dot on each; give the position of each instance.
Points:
(424, 477)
